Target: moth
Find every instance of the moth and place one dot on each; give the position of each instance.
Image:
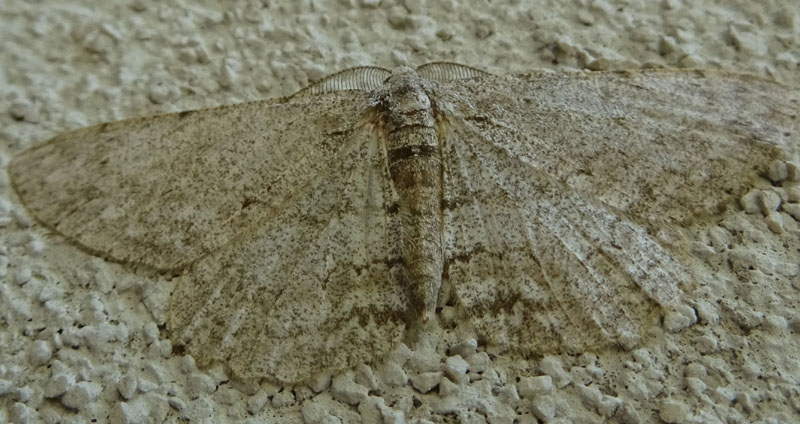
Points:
(311, 232)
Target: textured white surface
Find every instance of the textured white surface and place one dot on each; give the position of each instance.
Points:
(67, 65)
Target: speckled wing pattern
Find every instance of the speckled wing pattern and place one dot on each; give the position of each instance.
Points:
(660, 145)
(549, 272)
(309, 232)
(162, 191)
(315, 287)
(556, 183)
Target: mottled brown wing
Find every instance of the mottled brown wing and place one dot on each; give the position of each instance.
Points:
(537, 266)
(317, 287)
(551, 181)
(165, 190)
(662, 146)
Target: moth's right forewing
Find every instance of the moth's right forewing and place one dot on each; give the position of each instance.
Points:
(165, 190)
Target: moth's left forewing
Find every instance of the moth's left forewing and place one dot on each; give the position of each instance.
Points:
(661, 146)
(538, 264)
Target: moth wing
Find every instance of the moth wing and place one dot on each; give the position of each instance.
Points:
(162, 191)
(536, 265)
(662, 146)
(315, 288)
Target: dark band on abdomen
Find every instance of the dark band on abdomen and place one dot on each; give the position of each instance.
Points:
(402, 153)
